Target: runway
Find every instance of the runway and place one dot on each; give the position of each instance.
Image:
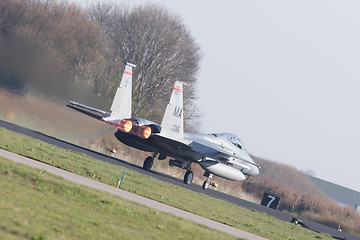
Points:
(280, 215)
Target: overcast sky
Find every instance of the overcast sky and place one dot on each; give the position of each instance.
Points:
(282, 75)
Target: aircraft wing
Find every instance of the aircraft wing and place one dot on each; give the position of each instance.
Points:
(170, 144)
(192, 149)
(90, 111)
(211, 150)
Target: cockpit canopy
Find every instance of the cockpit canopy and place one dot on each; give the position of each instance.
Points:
(236, 141)
(231, 138)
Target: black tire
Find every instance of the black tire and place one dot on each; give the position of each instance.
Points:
(189, 176)
(148, 163)
(206, 185)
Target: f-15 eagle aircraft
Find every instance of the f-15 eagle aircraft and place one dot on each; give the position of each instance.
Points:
(220, 154)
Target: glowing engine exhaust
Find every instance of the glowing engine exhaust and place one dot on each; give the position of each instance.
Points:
(127, 126)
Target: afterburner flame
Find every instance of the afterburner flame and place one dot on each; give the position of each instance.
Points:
(145, 132)
(125, 125)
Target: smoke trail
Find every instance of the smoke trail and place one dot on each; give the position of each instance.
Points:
(34, 91)
(26, 67)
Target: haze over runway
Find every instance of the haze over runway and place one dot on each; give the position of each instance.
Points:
(282, 75)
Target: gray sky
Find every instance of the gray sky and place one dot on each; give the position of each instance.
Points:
(282, 75)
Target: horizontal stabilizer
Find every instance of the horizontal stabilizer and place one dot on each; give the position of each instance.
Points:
(90, 111)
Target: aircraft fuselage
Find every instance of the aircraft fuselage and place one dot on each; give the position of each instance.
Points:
(199, 148)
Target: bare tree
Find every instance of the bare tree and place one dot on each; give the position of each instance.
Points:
(91, 47)
(161, 47)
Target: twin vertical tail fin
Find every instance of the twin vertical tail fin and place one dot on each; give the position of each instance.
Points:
(121, 105)
(172, 124)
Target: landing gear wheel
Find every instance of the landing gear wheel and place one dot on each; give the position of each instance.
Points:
(189, 176)
(206, 185)
(148, 163)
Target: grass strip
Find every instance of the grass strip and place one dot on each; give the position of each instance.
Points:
(203, 205)
(35, 204)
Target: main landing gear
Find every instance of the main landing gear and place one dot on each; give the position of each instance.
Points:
(189, 175)
(149, 161)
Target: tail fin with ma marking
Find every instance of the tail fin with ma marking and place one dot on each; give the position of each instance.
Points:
(172, 124)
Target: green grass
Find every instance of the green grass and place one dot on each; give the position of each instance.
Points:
(219, 210)
(37, 205)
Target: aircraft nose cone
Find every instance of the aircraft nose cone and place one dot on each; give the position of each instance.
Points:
(254, 168)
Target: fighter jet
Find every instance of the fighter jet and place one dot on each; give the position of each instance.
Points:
(220, 154)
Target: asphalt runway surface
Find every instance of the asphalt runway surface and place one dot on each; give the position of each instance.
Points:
(163, 177)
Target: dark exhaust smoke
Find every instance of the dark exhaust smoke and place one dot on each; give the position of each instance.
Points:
(34, 92)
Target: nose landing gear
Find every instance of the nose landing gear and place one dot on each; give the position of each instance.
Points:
(207, 183)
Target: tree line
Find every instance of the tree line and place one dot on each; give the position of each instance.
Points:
(91, 46)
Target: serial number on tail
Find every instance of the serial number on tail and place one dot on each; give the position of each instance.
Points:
(175, 128)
